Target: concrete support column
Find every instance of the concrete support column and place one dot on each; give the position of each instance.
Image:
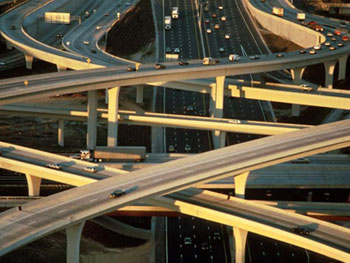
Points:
(217, 109)
(342, 67)
(113, 104)
(240, 236)
(73, 234)
(329, 71)
(61, 68)
(240, 184)
(297, 76)
(8, 45)
(34, 183)
(139, 94)
(61, 133)
(29, 61)
(92, 120)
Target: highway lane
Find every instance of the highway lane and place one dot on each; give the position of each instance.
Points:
(162, 179)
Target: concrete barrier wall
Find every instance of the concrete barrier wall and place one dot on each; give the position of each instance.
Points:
(299, 34)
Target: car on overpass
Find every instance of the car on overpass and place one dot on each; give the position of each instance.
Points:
(117, 193)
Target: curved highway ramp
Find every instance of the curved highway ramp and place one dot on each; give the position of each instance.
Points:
(62, 210)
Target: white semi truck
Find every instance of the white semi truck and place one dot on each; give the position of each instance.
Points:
(278, 11)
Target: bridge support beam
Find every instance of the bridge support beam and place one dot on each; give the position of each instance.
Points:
(73, 234)
(342, 67)
(297, 76)
(217, 109)
(240, 236)
(329, 71)
(61, 133)
(92, 120)
(34, 183)
(61, 68)
(113, 105)
(29, 61)
(139, 93)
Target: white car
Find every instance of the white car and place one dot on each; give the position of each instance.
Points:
(227, 36)
(209, 31)
(223, 18)
(85, 42)
(221, 49)
(187, 148)
(234, 57)
(176, 50)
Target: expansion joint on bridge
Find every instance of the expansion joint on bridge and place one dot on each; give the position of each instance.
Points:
(73, 234)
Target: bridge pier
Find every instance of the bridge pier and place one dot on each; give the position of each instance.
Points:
(329, 70)
(61, 133)
(73, 234)
(92, 119)
(61, 68)
(240, 184)
(29, 61)
(297, 76)
(113, 107)
(34, 183)
(217, 109)
(139, 93)
(342, 66)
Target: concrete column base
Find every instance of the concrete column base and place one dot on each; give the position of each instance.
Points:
(92, 120)
(61, 133)
(33, 185)
(73, 234)
(217, 109)
(113, 107)
(219, 139)
(139, 94)
(29, 61)
(240, 237)
(329, 71)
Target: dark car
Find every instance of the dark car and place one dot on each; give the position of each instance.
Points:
(54, 166)
(117, 193)
(131, 69)
(183, 63)
(302, 51)
(300, 231)
(13, 27)
(93, 51)
(59, 35)
(159, 66)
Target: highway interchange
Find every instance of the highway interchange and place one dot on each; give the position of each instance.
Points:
(182, 97)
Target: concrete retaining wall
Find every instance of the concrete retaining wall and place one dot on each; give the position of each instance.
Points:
(299, 34)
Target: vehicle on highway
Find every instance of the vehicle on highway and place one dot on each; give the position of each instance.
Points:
(280, 55)
(93, 51)
(117, 193)
(221, 49)
(90, 169)
(54, 166)
(183, 63)
(127, 4)
(300, 231)
(159, 66)
(209, 31)
(340, 44)
(216, 26)
(331, 48)
(187, 148)
(207, 21)
(167, 22)
(327, 44)
(187, 241)
(13, 27)
(278, 11)
(312, 51)
(234, 121)
(189, 108)
(213, 15)
(315, 26)
(168, 50)
(234, 57)
(333, 39)
(131, 69)
(317, 47)
(119, 153)
(209, 61)
(85, 42)
(223, 18)
(171, 148)
(216, 236)
(2, 63)
(305, 87)
(98, 27)
(337, 32)
(302, 51)
(301, 160)
(220, 7)
(227, 36)
(254, 57)
(329, 34)
(345, 38)
(176, 50)
(205, 246)
(59, 35)
(301, 16)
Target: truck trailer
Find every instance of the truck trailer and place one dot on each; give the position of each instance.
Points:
(120, 153)
(175, 12)
(167, 22)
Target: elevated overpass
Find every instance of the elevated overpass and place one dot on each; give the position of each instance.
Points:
(68, 210)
